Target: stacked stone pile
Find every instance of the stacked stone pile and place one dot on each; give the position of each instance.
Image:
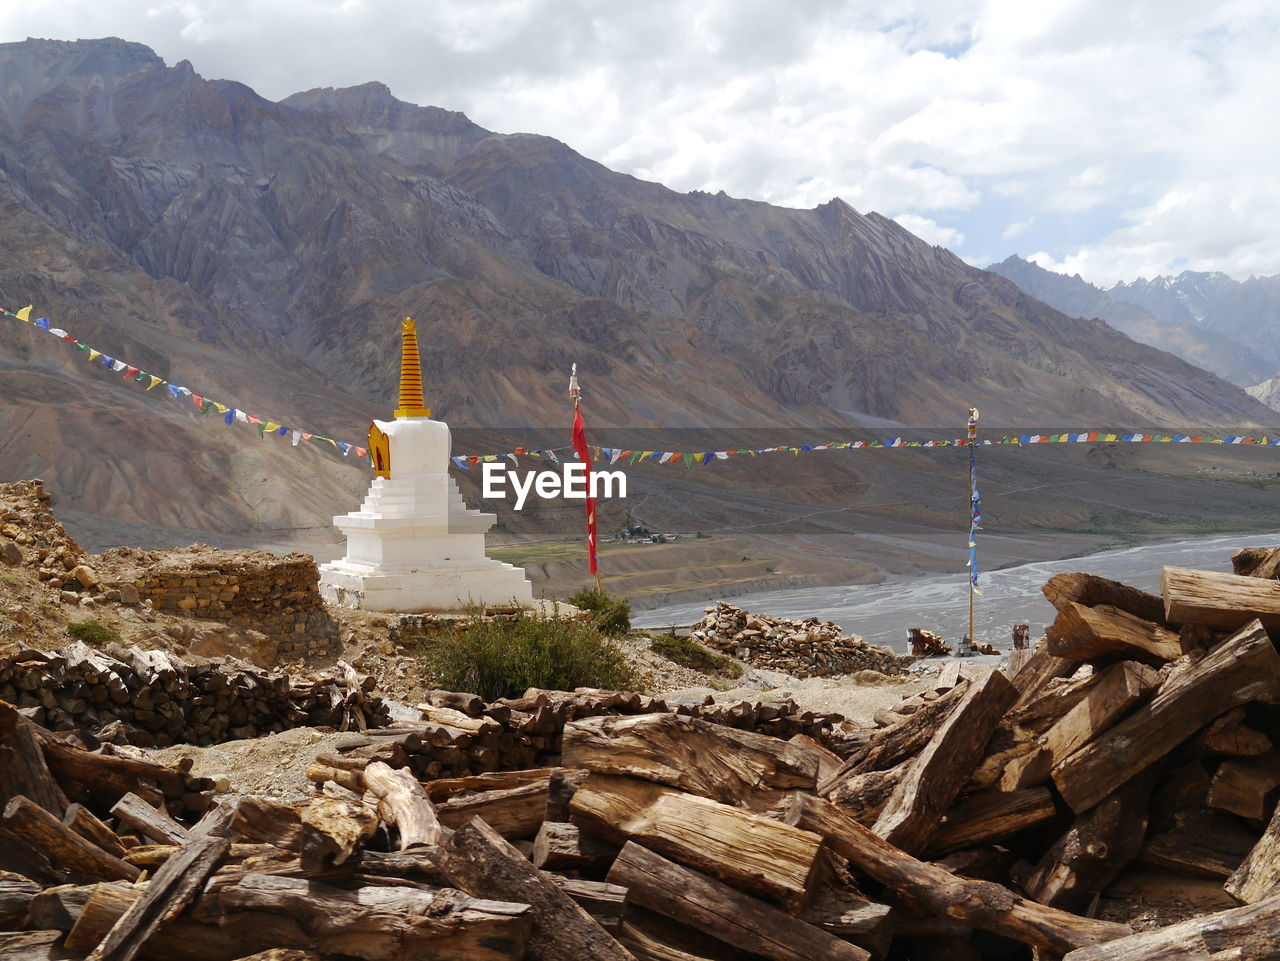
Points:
(150, 699)
(808, 648)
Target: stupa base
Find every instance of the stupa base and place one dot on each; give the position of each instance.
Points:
(487, 582)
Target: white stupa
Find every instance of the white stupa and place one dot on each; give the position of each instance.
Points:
(414, 545)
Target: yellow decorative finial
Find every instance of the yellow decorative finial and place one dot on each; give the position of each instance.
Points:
(411, 404)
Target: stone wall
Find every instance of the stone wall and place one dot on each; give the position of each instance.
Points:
(277, 596)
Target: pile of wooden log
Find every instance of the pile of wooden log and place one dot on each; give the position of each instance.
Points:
(807, 648)
(927, 643)
(151, 699)
(460, 735)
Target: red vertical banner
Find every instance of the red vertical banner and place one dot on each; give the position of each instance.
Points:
(584, 454)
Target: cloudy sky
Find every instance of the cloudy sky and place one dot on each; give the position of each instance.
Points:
(1116, 138)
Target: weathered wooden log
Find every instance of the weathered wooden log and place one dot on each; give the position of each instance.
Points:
(269, 822)
(566, 847)
(23, 769)
(606, 903)
(332, 830)
(1247, 786)
(756, 853)
(35, 946)
(1091, 590)
(934, 890)
(847, 914)
(1258, 876)
(1037, 674)
(1231, 735)
(1199, 844)
(375, 923)
(1252, 932)
(171, 888)
(1117, 689)
(83, 821)
(693, 755)
(864, 796)
(471, 705)
(561, 787)
(915, 809)
(515, 813)
(989, 816)
(1099, 635)
(404, 803)
(16, 893)
(1222, 602)
(651, 937)
(480, 861)
(723, 912)
(1256, 562)
(891, 746)
(1095, 848)
(442, 789)
(828, 761)
(1243, 668)
(147, 821)
(42, 829)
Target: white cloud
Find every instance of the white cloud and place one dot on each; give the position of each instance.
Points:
(1120, 128)
(929, 230)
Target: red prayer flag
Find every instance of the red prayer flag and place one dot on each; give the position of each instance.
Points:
(584, 454)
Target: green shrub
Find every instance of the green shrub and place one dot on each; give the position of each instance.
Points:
(689, 653)
(496, 659)
(612, 615)
(93, 632)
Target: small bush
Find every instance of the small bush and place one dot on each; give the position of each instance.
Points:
(93, 632)
(612, 615)
(689, 653)
(496, 659)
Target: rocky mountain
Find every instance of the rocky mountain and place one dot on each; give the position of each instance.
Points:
(266, 250)
(1167, 313)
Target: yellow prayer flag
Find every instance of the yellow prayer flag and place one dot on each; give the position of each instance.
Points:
(154, 380)
(94, 354)
(24, 314)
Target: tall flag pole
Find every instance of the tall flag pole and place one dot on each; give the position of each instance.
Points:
(975, 515)
(584, 454)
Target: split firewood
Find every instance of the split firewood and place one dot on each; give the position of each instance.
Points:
(1251, 932)
(171, 889)
(1102, 634)
(566, 847)
(515, 813)
(1037, 674)
(688, 753)
(1200, 844)
(1223, 602)
(928, 888)
(23, 768)
(481, 862)
(442, 789)
(373, 922)
(34, 946)
(1095, 848)
(41, 829)
(934, 778)
(1256, 562)
(723, 912)
(1258, 876)
(1091, 590)
(828, 761)
(1117, 689)
(1247, 786)
(756, 853)
(16, 894)
(143, 819)
(404, 803)
(1231, 735)
(269, 822)
(889, 747)
(333, 830)
(1243, 668)
(83, 821)
(990, 816)
(606, 903)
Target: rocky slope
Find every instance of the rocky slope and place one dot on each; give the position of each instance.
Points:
(1165, 322)
(265, 250)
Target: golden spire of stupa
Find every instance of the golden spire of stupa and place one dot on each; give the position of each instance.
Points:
(411, 404)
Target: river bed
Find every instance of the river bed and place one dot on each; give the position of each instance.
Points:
(882, 612)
